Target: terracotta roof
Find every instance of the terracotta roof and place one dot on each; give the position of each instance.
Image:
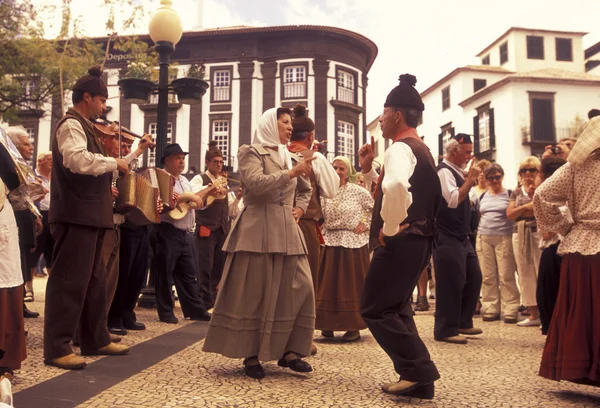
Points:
(468, 68)
(546, 76)
(529, 30)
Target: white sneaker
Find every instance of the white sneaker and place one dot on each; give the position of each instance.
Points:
(528, 322)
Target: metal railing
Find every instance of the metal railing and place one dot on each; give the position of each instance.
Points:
(221, 93)
(172, 99)
(293, 90)
(345, 94)
(546, 135)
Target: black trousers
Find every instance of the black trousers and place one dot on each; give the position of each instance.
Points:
(385, 305)
(76, 291)
(458, 285)
(26, 226)
(175, 261)
(210, 260)
(548, 284)
(45, 242)
(133, 266)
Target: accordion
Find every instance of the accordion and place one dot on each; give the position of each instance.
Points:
(139, 193)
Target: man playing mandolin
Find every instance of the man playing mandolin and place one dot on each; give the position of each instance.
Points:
(212, 226)
(173, 246)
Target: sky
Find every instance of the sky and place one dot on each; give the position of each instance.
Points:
(427, 38)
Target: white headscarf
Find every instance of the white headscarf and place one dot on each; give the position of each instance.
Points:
(267, 135)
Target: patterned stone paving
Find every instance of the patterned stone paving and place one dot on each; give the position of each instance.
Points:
(497, 369)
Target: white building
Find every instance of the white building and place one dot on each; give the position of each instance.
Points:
(530, 89)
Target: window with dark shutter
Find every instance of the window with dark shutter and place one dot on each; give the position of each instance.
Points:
(479, 84)
(492, 130)
(485, 60)
(445, 98)
(564, 49)
(535, 47)
(503, 53)
(542, 120)
(476, 134)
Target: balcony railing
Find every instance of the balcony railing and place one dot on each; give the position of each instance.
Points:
(172, 99)
(292, 90)
(221, 93)
(546, 135)
(345, 94)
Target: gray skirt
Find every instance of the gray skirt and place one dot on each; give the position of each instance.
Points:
(265, 307)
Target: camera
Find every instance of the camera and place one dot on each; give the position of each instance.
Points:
(556, 150)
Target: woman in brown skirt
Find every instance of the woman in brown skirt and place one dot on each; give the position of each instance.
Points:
(12, 332)
(345, 260)
(572, 350)
(265, 307)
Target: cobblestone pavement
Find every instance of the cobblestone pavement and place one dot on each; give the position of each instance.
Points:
(496, 369)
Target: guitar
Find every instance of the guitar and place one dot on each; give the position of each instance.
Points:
(186, 200)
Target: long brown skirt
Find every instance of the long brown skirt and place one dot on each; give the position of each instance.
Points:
(340, 284)
(12, 330)
(265, 306)
(572, 350)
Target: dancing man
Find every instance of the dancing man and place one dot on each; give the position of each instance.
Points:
(402, 231)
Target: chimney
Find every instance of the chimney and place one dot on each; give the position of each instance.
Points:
(199, 15)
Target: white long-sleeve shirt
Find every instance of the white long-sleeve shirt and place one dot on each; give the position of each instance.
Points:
(448, 182)
(72, 144)
(327, 178)
(399, 165)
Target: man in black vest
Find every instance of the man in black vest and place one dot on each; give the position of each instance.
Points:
(457, 272)
(402, 232)
(80, 214)
(212, 227)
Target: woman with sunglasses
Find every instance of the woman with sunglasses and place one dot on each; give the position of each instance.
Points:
(525, 237)
(500, 295)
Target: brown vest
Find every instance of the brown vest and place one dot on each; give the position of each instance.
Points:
(215, 216)
(314, 210)
(80, 198)
(426, 196)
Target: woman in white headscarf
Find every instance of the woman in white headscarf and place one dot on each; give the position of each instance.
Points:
(572, 350)
(265, 307)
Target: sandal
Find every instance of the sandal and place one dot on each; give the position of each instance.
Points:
(28, 296)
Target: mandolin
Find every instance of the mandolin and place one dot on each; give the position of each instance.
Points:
(186, 200)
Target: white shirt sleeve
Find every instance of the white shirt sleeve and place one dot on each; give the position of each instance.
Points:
(399, 165)
(449, 188)
(72, 144)
(327, 178)
(197, 184)
(370, 178)
(131, 157)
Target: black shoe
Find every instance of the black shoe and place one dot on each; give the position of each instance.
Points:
(426, 391)
(255, 371)
(204, 317)
(28, 314)
(134, 325)
(298, 365)
(169, 319)
(119, 331)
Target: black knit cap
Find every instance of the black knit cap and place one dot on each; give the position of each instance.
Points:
(405, 95)
(300, 121)
(463, 138)
(213, 151)
(92, 83)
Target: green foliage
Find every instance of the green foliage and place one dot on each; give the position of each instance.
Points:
(196, 71)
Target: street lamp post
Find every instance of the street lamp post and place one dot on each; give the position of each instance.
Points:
(165, 30)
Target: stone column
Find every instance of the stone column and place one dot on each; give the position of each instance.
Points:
(269, 72)
(321, 68)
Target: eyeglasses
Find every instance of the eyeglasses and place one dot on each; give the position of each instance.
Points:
(494, 178)
(528, 170)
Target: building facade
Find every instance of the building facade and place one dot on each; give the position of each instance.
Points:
(531, 89)
(249, 70)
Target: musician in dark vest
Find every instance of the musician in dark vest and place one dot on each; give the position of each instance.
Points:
(80, 215)
(172, 243)
(212, 227)
(324, 183)
(133, 258)
(457, 272)
(402, 231)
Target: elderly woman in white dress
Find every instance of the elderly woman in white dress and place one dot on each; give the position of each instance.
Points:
(345, 259)
(265, 307)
